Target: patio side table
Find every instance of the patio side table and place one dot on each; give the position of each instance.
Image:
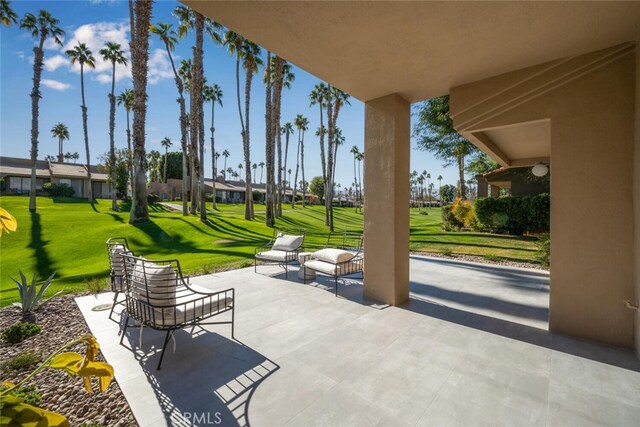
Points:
(305, 273)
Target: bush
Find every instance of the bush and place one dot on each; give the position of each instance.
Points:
(57, 190)
(19, 332)
(463, 211)
(30, 297)
(449, 221)
(19, 361)
(544, 249)
(152, 199)
(28, 394)
(513, 215)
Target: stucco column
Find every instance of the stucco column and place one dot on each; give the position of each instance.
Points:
(386, 211)
(636, 193)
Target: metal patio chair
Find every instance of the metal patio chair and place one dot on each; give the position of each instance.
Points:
(282, 249)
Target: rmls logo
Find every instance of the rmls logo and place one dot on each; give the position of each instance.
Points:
(203, 418)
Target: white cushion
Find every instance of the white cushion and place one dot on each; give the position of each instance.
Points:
(189, 307)
(160, 281)
(276, 256)
(334, 256)
(334, 269)
(287, 243)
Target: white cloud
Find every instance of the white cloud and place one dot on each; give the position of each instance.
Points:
(20, 54)
(103, 1)
(159, 66)
(55, 84)
(50, 44)
(54, 62)
(96, 36)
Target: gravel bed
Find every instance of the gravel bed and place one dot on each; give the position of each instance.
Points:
(482, 260)
(61, 322)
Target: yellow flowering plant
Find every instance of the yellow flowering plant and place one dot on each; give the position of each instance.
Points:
(15, 412)
(7, 222)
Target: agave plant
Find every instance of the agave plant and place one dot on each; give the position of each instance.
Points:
(29, 295)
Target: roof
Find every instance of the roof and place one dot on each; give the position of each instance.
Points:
(239, 186)
(422, 49)
(70, 170)
(22, 167)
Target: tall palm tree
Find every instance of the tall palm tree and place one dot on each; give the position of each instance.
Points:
(355, 151)
(226, 155)
(82, 55)
(261, 164)
(166, 143)
(213, 94)
(255, 169)
(153, 163)
(140, 16)
(439, 178)
(250, 61)
(240, 167)
(7, 15)
(338, 140)
(286, 78)
(302, 124)
(319, 96)
(126, 100)
(360, 158)
(41, 27)
(114, 54)
(287, 130)
(335, 100)
(169, 37)
(60, 131)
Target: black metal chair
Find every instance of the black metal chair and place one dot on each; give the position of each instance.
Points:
(116, 247)
(271, 253)
(352, 246)
(158, 296)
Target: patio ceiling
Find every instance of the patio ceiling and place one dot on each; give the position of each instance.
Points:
(422, 49)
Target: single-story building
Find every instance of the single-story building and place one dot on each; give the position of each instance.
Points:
(518, 181)
(16, 177)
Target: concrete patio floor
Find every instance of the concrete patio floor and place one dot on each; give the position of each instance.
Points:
(470, 348)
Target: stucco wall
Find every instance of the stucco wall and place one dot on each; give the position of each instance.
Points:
(592, 171)
(636, 187)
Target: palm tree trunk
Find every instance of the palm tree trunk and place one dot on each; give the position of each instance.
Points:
(268, 122)
(197, 79)
(295, 177)
(129, 154)
(462, 188)
(276, 185)
(328, 186)
(248, 202)
(86, 132)
(304, 189)
(213, 152)
(284, 168)
(35, 112)
(112, 143)
(60, 150)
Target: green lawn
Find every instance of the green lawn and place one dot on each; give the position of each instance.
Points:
(68, 236)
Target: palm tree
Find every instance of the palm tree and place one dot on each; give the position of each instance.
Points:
(126, 99)
(230, 171)
(284, 78)
(261, 164)
(319, 96)
(226, 155)
(250, 61)
(289, 172)
(360, 158)
(169, 37)
(154, 162)
(7, 15)
(113, 53)
(60, 131)
(213, 94)
(287, 130)
(83, 56)
(302, 124)
(255, 169)
(166, 143)
(240, 167)
(50, 158)
(75, 156)
(140, 17)
(355, 151)
(41, 27)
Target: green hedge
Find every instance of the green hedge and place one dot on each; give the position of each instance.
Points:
(513, 215)
(57, 190)
(449, 220)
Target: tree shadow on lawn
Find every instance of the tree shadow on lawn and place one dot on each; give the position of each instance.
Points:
(43, 264)
(475, 245)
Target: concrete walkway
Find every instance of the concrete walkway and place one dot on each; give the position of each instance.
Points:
(470, 348)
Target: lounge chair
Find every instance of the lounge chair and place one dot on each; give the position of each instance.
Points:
(341, 256)
(157, 296)
(116, 247)
(282, 249)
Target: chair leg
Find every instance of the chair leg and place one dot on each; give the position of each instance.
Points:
(233, 321)
(124, 329)
(164, 346)
(115, 299)
(286, 272)
(335, 286)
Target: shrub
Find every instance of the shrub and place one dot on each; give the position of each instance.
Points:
(544, 249)
(19, 332)
(29, 297)
(19, 361)
(449, 221)
(152, 199)
(513, 215)
(463, 211)
(58, 190)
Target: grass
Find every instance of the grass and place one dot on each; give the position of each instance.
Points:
(68, 236)
(19, 361)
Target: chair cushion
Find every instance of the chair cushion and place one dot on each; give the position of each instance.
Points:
(334, 256)
(334, 269)
(159, 281)
(276, 256)
(287, 243)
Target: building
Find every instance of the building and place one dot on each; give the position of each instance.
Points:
(529, 82)
(16, 177)
(517, 181)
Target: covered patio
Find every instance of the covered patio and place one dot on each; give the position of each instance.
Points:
(470, 346)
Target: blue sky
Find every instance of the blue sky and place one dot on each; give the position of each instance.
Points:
(96, 22)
